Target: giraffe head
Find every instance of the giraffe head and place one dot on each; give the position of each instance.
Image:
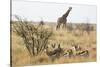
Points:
(70, 8)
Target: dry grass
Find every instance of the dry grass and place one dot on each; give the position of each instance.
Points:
(20, 55)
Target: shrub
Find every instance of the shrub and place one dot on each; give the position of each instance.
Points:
(35, 36)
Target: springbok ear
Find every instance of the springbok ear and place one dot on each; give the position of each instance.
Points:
(59, 46)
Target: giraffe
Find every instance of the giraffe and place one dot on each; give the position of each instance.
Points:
(63, 19)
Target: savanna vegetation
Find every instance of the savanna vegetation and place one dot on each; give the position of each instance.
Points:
(40, 43)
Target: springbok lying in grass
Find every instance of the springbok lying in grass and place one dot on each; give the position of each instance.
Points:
(56, 53)
(69, 53)
(84, 53)
(79, 51)
(76, 50)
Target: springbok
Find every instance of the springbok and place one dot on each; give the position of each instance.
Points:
(69, 53)
(56, 53)
(84, 53)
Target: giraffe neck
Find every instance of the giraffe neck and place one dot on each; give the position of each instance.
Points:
(66, 14)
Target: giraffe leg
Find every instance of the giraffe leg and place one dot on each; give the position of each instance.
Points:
(64, 26)
(58, 26)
